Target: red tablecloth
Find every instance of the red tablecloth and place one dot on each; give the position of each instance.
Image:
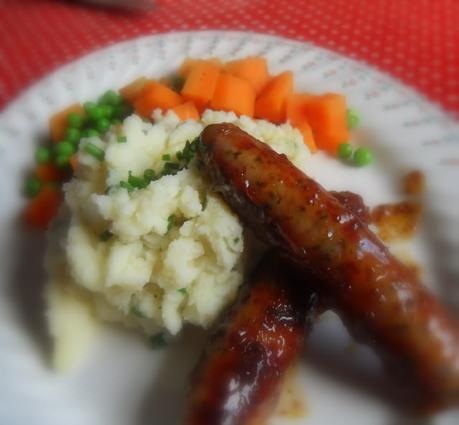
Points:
(414, 40)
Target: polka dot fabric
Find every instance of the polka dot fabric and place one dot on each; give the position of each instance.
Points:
(416, 41)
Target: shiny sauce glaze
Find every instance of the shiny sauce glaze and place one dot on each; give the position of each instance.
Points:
(239, 376)
(397, 221)
(378, 298)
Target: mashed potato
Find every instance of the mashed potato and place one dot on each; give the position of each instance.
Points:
(156, 257)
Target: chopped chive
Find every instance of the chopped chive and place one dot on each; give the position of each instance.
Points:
(183, 291)
(136, 182)
(149, 175)
(236, 240)
(171, 221)
(121, 139)
(158, 341)
(166, 157)
(127, 186)
(94, 151)
(105, 235)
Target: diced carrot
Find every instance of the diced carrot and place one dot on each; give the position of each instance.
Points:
(49, 173)
(43, 208)
(252, 69)
(130, 91)
(186, 111)
(58, 122)
(201, 82)
(271, 103)
(155, 95)
(74, 162)
(295, 104)
(189, 63)
(308, 137)
(326, 114)
(233, 94)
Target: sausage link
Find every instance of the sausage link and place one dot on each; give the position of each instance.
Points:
(378, 298)
(237, 379)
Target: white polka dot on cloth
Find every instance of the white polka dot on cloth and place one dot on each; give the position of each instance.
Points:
(406, 38)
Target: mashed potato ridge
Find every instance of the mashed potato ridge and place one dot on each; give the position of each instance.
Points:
(160, 256)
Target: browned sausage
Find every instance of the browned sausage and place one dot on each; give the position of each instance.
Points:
(237, 380)
(378, 298)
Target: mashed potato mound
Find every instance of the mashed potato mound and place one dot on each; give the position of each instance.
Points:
(153, 258)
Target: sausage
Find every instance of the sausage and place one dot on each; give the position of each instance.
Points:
(380, 300)
(237, 379)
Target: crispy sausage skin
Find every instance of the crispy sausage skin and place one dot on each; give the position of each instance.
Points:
(237, 379)
(378, 298)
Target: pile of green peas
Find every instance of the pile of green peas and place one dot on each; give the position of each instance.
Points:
(109, 110)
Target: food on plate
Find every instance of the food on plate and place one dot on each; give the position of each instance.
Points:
(243, 87)
(397, 221)
(142, 239)
(238, 378)
(414, 183)
(142, 235)
(378, 298)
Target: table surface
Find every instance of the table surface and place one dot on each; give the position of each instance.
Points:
(416, 41)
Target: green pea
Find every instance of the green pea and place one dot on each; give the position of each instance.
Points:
(345, 151)
(107, 111)
(64, 148)
(43, 155)
(95, 112)
(73, 135)
(102, 125)
(111, 98)
(74, 120)
(90, 132)
(62, 160)
(353, 119)
(32, 187)
(362, 157)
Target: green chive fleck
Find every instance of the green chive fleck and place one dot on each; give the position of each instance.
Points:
(166, 157)
(136, 182)
(149, 175)
(183, 291)
(94, 151)
(171, 221)
(127, 186)
(121, 139)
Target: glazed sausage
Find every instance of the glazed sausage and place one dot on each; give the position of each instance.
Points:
(378, 298)
(237, 380)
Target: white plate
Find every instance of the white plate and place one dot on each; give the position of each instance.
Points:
(124, 382)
